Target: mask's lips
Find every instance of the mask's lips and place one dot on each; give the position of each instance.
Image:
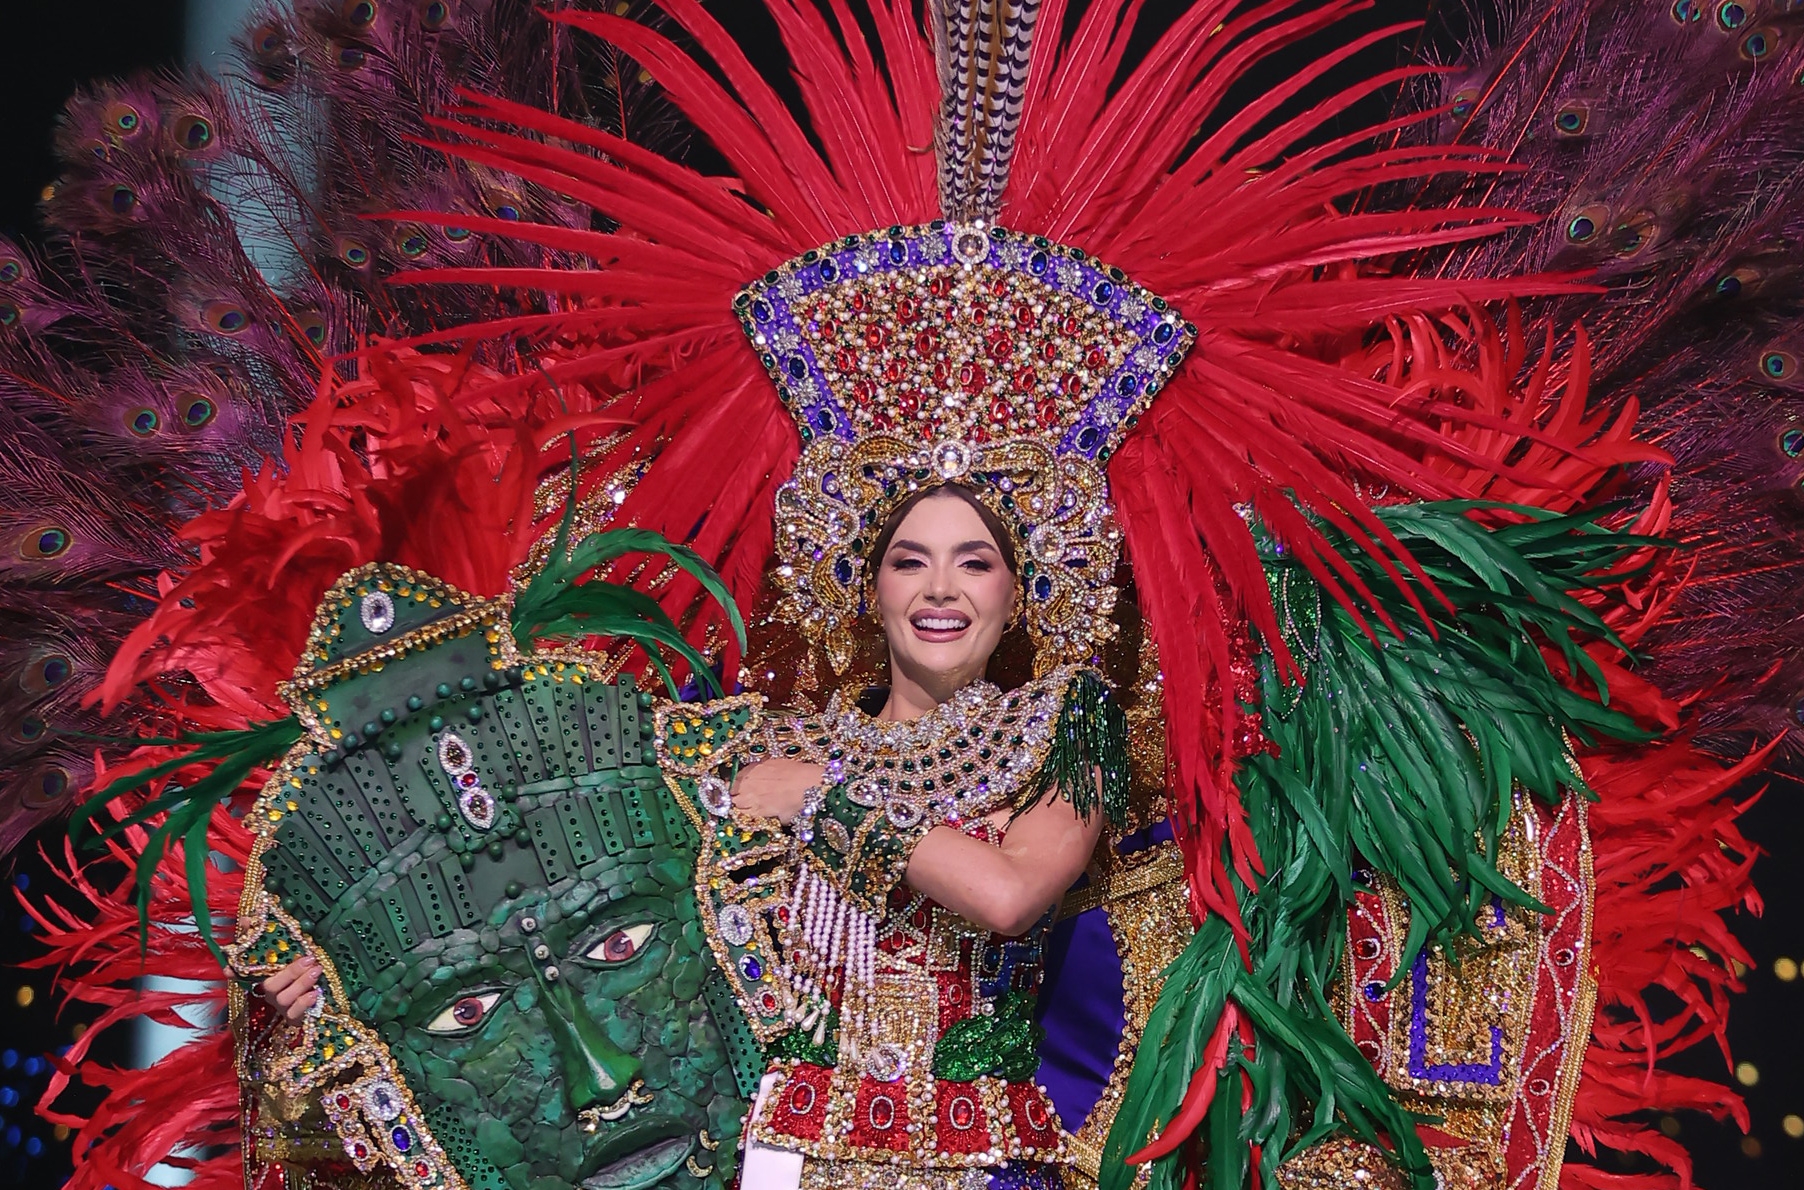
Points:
(638, 1154)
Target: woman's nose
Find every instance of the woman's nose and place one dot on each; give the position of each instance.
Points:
(595, 1072)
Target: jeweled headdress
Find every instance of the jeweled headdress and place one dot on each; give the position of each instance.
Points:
(958, 352)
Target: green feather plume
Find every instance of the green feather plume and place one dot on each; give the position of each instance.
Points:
(1398, 754)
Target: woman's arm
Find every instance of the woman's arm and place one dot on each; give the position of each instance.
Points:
(1006, 889)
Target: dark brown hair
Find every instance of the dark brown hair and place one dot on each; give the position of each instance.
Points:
(1005, 543)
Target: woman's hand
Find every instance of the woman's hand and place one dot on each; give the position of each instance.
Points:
(773, 788)
(294, 989)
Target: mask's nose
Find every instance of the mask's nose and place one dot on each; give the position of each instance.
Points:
(596, 1074)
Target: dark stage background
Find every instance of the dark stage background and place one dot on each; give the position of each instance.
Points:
(53, 45)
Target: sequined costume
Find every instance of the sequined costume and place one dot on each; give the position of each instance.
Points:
(902, 1037)
(1333, 562)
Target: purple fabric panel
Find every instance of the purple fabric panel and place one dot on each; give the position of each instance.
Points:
(1082, 1012)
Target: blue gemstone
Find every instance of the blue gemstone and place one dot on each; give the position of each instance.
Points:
(1374, 991)
(750, 967)
(1087, 438)
(798, 367)
(823, 417)
(1128, 385)
(1042, 587)
(1163, 333)
(842, 570)
(403, 1139)
(829, 270)
(1104, 291)
(761, 310)
(1036, 264)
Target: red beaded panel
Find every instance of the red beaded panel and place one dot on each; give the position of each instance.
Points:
(801, 1102)
(880, 1116)
(961, 354)
(1035, 1122)
(960, 1122)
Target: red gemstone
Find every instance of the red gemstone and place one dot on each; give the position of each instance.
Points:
(360, 1151)
(1049, 350)
(344, 1101)
(892, 371)
(972, 377)
(858, 301)
(875, 336)
(844, 359)
(1097, 359)
(925, 342)
(1069, 325)
(1025, 380)
(1001, 346)
(882, 1113)
(907, 310)
(421, 1169)
(1073, 383)
(999, 288)
(829, 328)
(1024, 317)
(942, 373)
(1048, 413)
(864, 388)
(909, 403)
(963, 1113)
(940, 286)
(979, 316)
(1000, 412)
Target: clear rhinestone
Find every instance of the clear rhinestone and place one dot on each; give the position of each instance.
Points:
(715, 795)
(377, 612)
(736, 925)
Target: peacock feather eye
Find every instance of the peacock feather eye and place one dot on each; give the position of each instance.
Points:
(53, 784)
(314, 327)
(1571, 119)
(199, 411)
(54, 670)
(507, 211)
(228, 318)
(353, 253)
(1778, 365)
(1465, 101)
(457, 235)
(194, 133)
(10, 271)
(1687, 12)
(31, 729)
(1759, 45)
(123, 199)
(435, 15)
(361, 13)
(50, 541)
(9, 313)
(350, 57)
(144, 422)
(123, 119)
(413, 244)
(1582, 229)
(1731, 15)
(1791, 441)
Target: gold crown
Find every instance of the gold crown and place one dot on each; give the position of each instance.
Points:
(957, 352)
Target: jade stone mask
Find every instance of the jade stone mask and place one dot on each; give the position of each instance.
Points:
(476, 844)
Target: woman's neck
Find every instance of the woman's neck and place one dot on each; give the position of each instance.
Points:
(911, 696)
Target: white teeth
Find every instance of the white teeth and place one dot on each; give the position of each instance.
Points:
(936, 624)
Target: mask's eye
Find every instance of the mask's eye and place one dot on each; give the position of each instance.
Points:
(466, 1013)
(621, 945)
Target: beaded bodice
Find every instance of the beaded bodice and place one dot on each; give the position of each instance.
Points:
(933, 1052)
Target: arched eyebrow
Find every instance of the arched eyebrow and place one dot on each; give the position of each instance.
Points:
(976, 543)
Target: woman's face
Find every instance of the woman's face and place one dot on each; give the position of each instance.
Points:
(944, 592)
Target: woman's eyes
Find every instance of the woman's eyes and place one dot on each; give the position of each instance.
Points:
(979, 565)
(621, 945)
(464, 1013)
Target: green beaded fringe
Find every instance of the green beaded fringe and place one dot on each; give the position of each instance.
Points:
(1091, 735)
